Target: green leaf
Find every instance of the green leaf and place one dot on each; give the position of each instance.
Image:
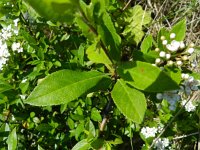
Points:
(97, 55)
(146, 44)
(12, 140)
(174, 73)
(95, 115)
(136, 18)
(44, 127)
(129, 101)
(4, 86)
(86, 31)
(90, 127)
(56, 10)
(146, 77)
(179, 29)
(64, 86)
(109, 36)
(82, 145)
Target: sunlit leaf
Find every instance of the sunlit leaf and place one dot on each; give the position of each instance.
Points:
(129, 101)
(64, 86)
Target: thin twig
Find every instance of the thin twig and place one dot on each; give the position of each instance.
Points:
(184, 136)
(126, 5)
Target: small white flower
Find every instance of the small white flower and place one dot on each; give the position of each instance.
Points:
(164, 42)
(162, 54)
(17, 47)
(172, 35)
(161, 143)
(173, 46)
(189, 106)
(190, 50)
(149, 132)
(168, 56)
(158, 60)
(179, 62)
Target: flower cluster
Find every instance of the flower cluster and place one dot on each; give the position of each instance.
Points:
(174, 52)
(149, 132)
(189, 106)
(162, 143)
(171, 96)
(5, 34)
(187, 87)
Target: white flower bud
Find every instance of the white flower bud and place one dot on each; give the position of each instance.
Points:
(190, 50)
(159, 96)
(157, 49)
(172, 35)
(170, 63)
(162, 54)
(158, 60)
(185, 57)
(179, 62)
(168, 56)
(191, 45)
(162, 38)
(164, 42)
(182, 45)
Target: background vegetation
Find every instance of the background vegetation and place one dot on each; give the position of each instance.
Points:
(92, 120)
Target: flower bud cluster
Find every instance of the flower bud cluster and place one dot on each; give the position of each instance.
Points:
(189, 84)
(174, 52)
(171, 96)
(5, 34)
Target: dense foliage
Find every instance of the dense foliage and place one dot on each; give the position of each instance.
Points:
(79, 74)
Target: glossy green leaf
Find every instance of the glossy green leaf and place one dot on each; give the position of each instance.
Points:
(146, 77)
(82, 145)
(64, 86)
(4, 86)
(146, 44)
(136, 18)
(129, 101)
(97, 55)
(179, 29)
(56, 10)
(12, 140)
